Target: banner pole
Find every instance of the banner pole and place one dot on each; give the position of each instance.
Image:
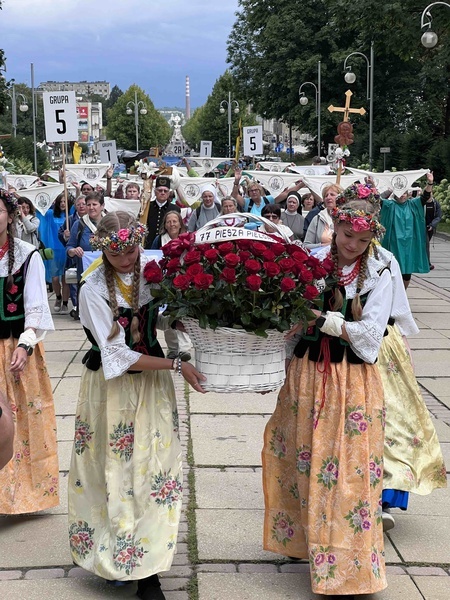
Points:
(65, 182)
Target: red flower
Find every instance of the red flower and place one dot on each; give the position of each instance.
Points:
(152, 272)
(173, 248)
(123, 321)
(225, 248)
(310, 292)
(319, 272)
(11, 307)
(252, 265)
(299, 256)
(202, 281)
(271, 269)
(173, 265)
(192, 257)
(286, 265)
(305, 275)
(287, 284)
(253, 282)
(244, 244)
(245, 255)
(228, 275)
(181, 282)
(231, 260)
(279, 249)
(13, 289)
(193, 270)
(258, 248)
(328, 264)
(268, 256)
(211, 255)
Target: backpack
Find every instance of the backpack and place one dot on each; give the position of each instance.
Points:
(251, 203)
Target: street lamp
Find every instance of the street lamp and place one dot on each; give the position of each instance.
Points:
(304, 101)
(139, 107)
(229, 104)
(23, 107)
(429, 39)
(350, 77)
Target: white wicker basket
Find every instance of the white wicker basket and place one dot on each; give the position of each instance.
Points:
(234, 360)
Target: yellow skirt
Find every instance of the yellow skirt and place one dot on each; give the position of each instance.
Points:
(29, 482)
(413, 459)
(125, 479)
(323, 484)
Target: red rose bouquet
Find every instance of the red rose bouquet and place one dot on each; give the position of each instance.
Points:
(245, 284)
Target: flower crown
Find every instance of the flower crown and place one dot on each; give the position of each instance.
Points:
(118, 241)
(360, 220)
(8, 198)
(360, 191)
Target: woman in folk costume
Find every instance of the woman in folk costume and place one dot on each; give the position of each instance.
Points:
(125, 481)
(29, 482)
(413, 459)
(323, 446)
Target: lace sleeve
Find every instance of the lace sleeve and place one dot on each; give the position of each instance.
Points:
(37, 311)
(365, 336)
(96, 316)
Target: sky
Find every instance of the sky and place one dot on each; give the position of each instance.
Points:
(151, 43)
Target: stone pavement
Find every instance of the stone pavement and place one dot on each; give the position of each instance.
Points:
(220, 555)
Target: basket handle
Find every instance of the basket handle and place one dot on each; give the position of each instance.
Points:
(251, 217)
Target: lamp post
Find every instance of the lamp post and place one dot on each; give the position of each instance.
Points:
(304, 101)
(350, 77)
(429, 38)
(23, 107)
(142, 110)
(229, 104)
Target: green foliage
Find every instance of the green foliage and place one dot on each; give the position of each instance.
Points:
(275, 46)
(115, 94)
(441, 193)
(19, 152)
(153, 128)
(210, 124)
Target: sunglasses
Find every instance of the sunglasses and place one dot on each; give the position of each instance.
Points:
(271, 216)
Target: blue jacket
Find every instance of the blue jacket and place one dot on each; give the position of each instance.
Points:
(75, 241)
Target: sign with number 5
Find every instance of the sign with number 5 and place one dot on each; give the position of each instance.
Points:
(253, 140)
(60, 114)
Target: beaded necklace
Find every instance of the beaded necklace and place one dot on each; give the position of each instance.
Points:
(345, 280)
(125, 289)
(4, 249)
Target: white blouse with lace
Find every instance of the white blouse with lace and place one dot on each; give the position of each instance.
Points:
(365, 336)
(95, 315)
(37, 311)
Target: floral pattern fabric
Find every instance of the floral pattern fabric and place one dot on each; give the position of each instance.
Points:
(30, 481)
(413, 459)
(323, 484)
(125, 479)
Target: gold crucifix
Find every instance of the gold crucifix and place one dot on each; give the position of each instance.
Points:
(341, 137)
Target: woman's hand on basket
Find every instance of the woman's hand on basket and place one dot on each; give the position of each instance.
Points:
(193, 377)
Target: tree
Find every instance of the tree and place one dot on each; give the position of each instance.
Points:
(208, 123)
(153, 128)
(115, 94)
(275, 45)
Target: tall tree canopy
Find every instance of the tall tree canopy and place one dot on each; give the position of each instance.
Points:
(275, 45)
(153, 128)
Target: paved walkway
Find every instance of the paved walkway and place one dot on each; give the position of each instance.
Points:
(219, 552)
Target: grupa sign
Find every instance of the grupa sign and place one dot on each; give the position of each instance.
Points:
(60, 115)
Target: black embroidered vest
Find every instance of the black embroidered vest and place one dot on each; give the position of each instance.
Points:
(12, 310)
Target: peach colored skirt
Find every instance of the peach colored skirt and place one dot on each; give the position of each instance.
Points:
(323, 485)
(29, 482)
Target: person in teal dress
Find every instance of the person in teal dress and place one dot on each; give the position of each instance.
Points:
(404, 220)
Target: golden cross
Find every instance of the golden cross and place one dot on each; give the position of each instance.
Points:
(347, 110)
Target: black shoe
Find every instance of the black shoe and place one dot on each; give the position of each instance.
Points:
(74, 314)
(150, 589)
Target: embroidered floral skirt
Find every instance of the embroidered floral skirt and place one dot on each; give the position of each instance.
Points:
(413, 459)
(125, 479)
(323, 485)
(29, 482)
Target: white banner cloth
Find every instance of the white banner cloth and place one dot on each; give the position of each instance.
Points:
(398, 182)
(268, 165)
(311, 170)
(191, 187)
(318, 182)
(208, 163)
(20, 181)
(88, 173)
(43, 197)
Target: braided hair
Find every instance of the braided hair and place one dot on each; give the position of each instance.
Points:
(338, 302)
(10, 205)
(114, 221)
